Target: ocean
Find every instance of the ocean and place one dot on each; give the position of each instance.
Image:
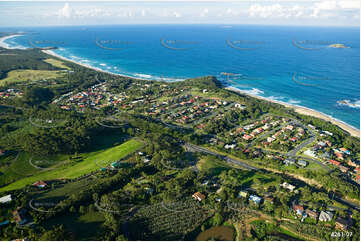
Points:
(289, 64)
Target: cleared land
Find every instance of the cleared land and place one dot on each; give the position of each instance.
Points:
(85, 166)
(217, 233)
(29, 76)
(57, 63)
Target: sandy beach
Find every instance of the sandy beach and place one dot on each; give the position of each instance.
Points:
(2, 40)
(306, 111)
(302, 110)
(52, 53)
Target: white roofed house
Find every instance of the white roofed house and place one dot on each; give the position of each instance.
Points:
(5, 199)
(325, 216)
(287, 186)
(310, 153)
(302, 163)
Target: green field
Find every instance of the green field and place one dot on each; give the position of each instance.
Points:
(57, 63)
(212, 165)
(89, 162)
(29, 76)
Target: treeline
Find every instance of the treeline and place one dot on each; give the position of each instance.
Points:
(23, 59)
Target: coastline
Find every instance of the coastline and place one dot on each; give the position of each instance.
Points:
(2, 40)
(306, 111)
(299, 109)
(52, 53)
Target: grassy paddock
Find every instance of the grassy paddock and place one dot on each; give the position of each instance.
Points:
(29, 75)
(57, 63)
(87, 164)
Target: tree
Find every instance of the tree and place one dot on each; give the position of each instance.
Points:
(37, 95)
(217, 219)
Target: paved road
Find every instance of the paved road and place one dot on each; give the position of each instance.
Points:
(197, 148)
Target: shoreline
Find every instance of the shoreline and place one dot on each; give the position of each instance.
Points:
(305, 111)
(299, 109)
(52, 53)
(2, 40)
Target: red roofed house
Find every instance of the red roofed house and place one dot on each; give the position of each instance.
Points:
(339, 155)
(247, 137)
(40, 184)
(336, 163)
(298, 209)
(294, 139)
(199, 196)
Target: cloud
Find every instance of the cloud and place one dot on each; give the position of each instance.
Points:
(177, 15)
(324, 9)
(65, 12)
(349, 4)
(275, 11)
(204, 13)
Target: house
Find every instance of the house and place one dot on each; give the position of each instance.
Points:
(247, 137)
(321, 143)
(328, 133)
(146, 160)
(341, 224)
(20, 216)
(311, 153)
(289, 162)
(40, 184)
(115, 165)
(328, 143)
(199, 196)
(270, 139)
(293, 139)
(255, 199)
(240, 106)
(232, 146)
(242, 194)
(2, 152)
(345, 151)
(218, 199)
(311, 126)
(289, 127)
(339, 155)
(325, 216)
(312, 214)
(298, 209)
(268, 198)
(248, 127)
(336, 163)
(287, 186)
(302, 163)
(343, 168)
(326, 155)
(352, 163)
(5, 199)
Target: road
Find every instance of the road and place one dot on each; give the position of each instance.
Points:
(191, 147)
(196, 148)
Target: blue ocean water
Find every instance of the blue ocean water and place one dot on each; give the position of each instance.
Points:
(289, 64)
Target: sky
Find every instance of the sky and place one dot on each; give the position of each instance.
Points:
(262, 12)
